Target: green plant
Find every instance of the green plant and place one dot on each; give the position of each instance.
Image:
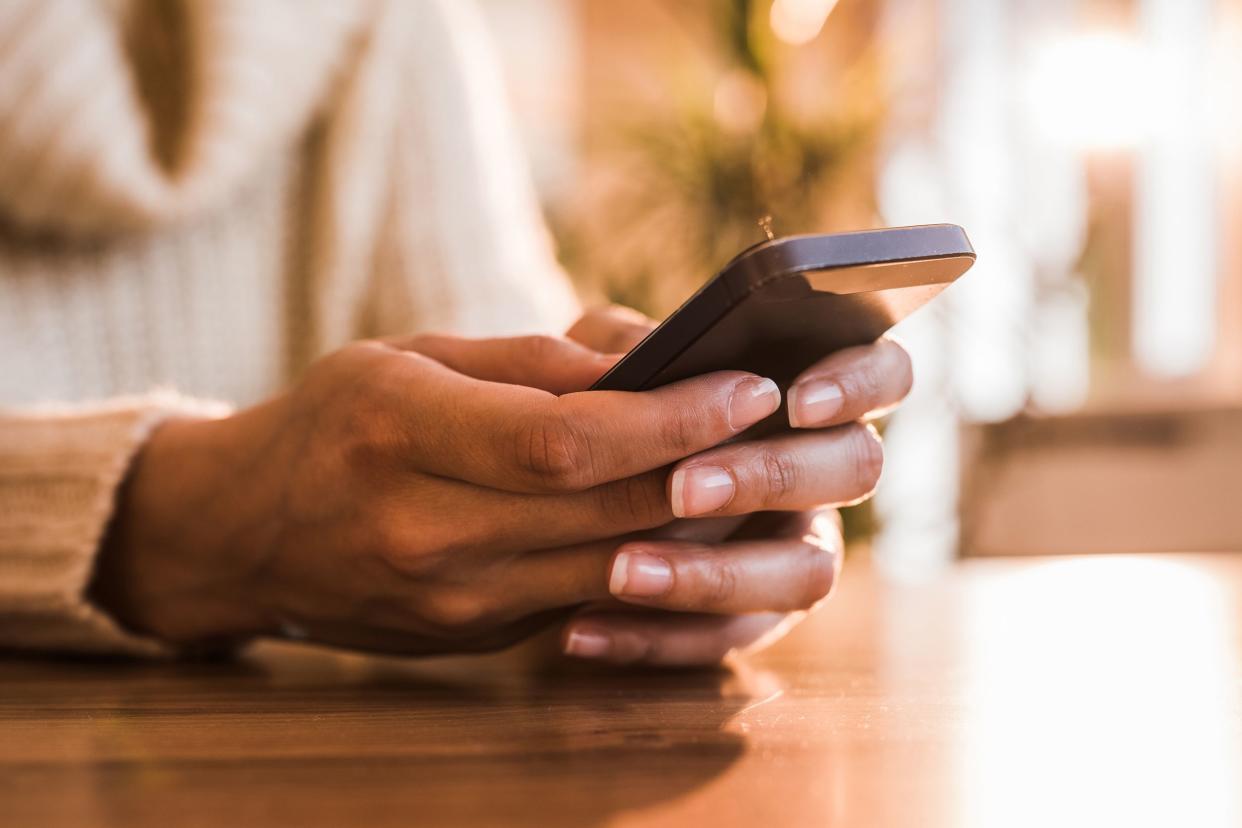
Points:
(686, 186)
(689, 183)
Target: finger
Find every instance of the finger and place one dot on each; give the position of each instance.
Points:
(836, 466)
(612, 330)
(669, 640)
(825, 522)
(635, 509)
(757, 526)
(521, 439)
(850, 384)
(600, 524)
(521, 522)
(702, 530)
(550, 363)
(742, 576)
(518, 523)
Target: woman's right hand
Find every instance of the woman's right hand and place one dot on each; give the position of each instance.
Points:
(437, 495)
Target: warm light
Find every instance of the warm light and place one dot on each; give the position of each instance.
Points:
(1176, 220)
(1101, 693)
(1061, 350)
(800, 21)
(1091, 91)
(1225, 69)
(740, 101)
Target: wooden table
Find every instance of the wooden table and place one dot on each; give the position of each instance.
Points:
(1048, 692)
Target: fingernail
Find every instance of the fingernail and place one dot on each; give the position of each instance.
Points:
(639, 575)
(587, 644)
(753, 399)
(814, 402)
(697, 490)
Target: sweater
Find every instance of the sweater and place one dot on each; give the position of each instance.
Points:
(196, 200)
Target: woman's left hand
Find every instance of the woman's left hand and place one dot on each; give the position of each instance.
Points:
(839, 391)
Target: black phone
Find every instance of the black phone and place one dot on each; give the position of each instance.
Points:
(780, 306)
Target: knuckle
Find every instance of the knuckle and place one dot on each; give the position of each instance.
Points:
(554, 452)
(421, 551)
(405, 551)
(423, 341)
(368, 439)
(780, 476)
(720, 584)
(415, 564)
(349, 356)
(372, 398)
(389, 538)
(615, 327)
(541, 349)
(351, 373)
(456, 612)
(639, 501)
(678, 432)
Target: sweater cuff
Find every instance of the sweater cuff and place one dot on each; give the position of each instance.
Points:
(60, 469)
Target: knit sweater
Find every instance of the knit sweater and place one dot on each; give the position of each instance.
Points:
(196, 199)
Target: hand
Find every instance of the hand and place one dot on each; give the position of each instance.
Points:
(848, 385)
(436, 495)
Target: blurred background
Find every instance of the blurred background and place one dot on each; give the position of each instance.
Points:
(1081, 389)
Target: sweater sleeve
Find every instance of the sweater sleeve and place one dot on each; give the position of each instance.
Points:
(59, 474)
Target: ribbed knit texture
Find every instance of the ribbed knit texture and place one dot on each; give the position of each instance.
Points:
(60, 471)
(204, 196)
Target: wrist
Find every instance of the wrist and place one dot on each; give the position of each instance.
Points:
(165, 567)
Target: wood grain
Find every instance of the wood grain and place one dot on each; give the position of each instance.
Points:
(1042, 692)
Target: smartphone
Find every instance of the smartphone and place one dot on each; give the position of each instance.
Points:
(782, 305)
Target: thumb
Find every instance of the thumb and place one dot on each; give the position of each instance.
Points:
(550, 363)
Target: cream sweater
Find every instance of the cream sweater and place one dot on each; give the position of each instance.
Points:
(200, 197)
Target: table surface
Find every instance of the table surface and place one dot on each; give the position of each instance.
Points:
(1056, 691)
